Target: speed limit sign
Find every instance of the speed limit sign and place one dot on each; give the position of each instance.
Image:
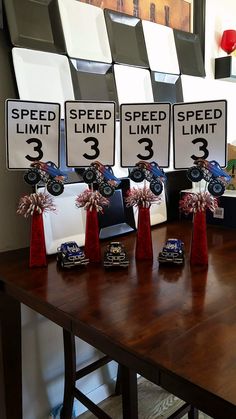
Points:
(199, 132)
(145, 133)
(90, 133)
(32, 132)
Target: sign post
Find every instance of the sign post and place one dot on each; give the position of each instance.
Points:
(90, 133)
(145, 133)
(199, 131)
(32, 131)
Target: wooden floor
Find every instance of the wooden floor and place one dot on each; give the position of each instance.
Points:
(154, 402)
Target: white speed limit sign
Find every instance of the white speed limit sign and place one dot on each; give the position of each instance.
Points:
(199, 132)
(145, 133)
(90, 133)
(32, 132)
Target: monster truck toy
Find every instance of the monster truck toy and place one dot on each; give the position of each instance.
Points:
(48, 173)
(103, 176)
(69, 255)
(115, 256)
(212, 173)
(172, 252)
(151, 172)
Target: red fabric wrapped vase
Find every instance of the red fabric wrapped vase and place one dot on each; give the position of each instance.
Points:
(92, 247)
(199, 248)
(37, 242)
(144, 250)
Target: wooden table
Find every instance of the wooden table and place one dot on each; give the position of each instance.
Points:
(176, 326)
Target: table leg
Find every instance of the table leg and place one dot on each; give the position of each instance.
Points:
(70, 374)
(10, 358)
(129, 390)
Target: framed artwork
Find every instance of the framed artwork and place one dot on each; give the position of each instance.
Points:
(186, 15)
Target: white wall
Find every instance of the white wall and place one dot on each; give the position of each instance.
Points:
(42, 340)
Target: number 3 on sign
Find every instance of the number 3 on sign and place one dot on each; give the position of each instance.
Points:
(37, 148)
(148, 148)
(202, 142)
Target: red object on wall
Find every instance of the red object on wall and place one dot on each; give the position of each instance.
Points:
(92, 247)
(228, 40)
(37, 242)
(144, 249)
(199, 248)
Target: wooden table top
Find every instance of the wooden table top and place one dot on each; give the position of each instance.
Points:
(176, 320)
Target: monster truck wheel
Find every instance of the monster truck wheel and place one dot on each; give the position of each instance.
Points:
(136, 175)
(55, 188)
(195, 174)
(89, 176)
(106, 190)
(156, 187)
(216, 188)
(32, 177)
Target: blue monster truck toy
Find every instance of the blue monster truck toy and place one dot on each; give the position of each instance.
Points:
(151, 172)
(48, 173)
(103, 176)
(172, 252)
(69, 255)
(211, 172)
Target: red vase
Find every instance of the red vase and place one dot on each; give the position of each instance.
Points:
(37, 242)
(144, 249)
(92, 247)
(228, 40)
(199, 248)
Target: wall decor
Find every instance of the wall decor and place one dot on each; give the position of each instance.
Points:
(85, 31)
(166, 87)
(225, 68)
(117, 218)
(67, 223)
(42, 76)
(133, 84)
(173, 13)
(161, 49)
(189, 53)
(94, 81)
(126, 39)
(35, 24)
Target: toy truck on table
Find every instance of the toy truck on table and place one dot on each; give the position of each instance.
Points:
(151, 172)
(212, 173)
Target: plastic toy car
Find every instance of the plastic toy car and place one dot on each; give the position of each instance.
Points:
(47, 172)
(69, 255)
(151, 172)
(172, 252)
(104, 176)
(115, 255)
(211, 172)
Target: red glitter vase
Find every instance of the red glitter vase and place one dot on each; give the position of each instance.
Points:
(92, 247)
(37, 242)
(199, 248)
(144, 249)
